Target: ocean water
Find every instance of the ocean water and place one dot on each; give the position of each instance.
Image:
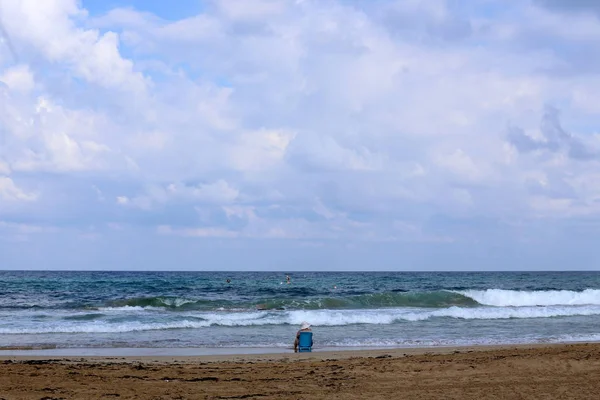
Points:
(259, 309)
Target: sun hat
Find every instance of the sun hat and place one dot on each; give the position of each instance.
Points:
(305, 325)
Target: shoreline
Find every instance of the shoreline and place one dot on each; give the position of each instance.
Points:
(250, 353)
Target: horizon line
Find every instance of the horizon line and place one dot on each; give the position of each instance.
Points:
(289, 271)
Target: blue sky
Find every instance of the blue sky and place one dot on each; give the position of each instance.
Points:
(299, 135)
(171, 11)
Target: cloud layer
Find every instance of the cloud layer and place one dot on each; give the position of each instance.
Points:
(318, 124)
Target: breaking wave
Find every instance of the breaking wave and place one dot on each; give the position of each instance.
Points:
(435, 299)
(391, 299)
(127, 322)
(517, 298)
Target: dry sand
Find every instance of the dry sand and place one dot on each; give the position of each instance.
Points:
(567, 371)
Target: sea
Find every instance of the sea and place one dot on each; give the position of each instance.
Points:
(261, 310)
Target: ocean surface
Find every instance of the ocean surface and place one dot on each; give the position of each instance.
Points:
(260, 310)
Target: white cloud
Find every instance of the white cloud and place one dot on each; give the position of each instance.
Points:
(459, 164)
(232, 122)
(259, 150)
(218, 192)
(122, 199)
(9, 191)
(244, 212)
(43, 135)
(51, 28)
(19, 78)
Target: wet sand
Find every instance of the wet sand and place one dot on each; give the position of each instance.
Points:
(566, 371)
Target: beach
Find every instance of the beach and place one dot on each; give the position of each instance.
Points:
(554, 371)
(193, 335)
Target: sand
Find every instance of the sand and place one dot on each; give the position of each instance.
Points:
(566, 371)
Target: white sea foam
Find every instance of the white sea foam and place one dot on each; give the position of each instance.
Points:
(116, 324)
(507, 312)
(517, 298)
(577, 338)
(423, 342)
(103, 327)
(129, 309)
(388, 316)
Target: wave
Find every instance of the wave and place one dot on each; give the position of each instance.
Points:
(517, 298)
(84, 317)
(436, 299)
(165, 302)
(482, 341)
(294, 318)
(337, 318)
(104, 327)
(392, 299)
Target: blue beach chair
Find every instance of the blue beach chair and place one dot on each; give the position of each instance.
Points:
(305, 342)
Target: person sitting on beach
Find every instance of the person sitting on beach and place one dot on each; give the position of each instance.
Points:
(305, 327)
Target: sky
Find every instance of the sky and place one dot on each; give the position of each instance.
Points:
(300, 134)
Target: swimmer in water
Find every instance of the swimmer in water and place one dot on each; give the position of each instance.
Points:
(228, 280)
(287, 278)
